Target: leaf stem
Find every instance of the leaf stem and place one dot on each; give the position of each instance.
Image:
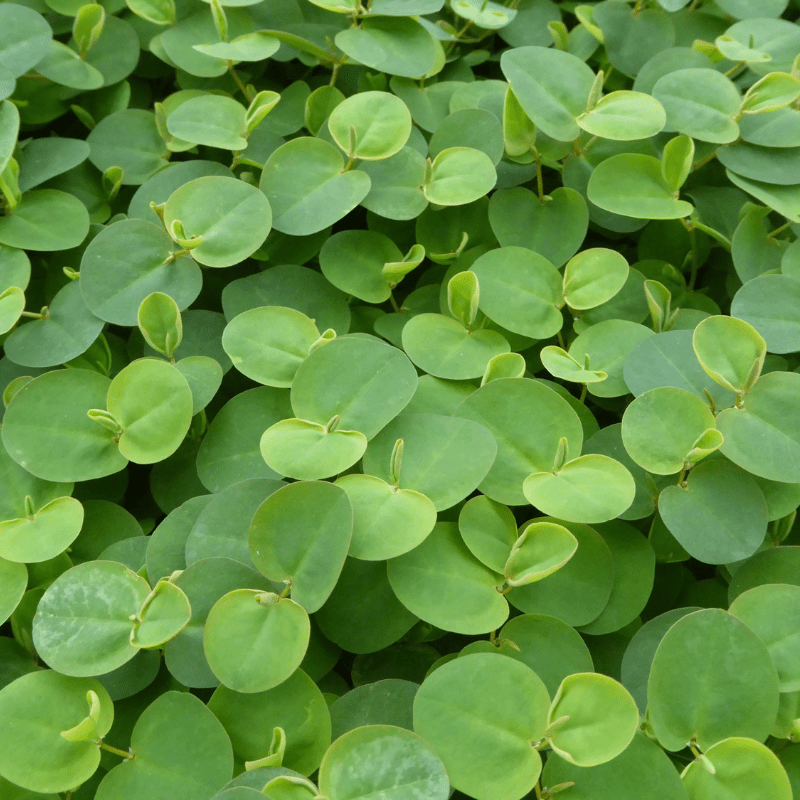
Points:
(539, 180)
(242, 88)
(735, 68)
(335, 73)
(780, 229)
(32, 315)
(704, 161)
(394, 303)
(129, 755)
(585, 388)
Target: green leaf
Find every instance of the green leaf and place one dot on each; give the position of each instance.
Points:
(633, 185)
(592, 719)
(519, 219)
(731, 352)
(254, 640)
(384, 759)
(643, 771)
(719, 516)
(387, 521)
(268, 344)
(130, 260)
(212, 120)
(370, 125)
(230, 218)
(44, 534)
(300, 535)
(459, 175)
(25, 40)
(152, 403)
(47, 431)
(164, 614)
(624, 116)
(160, 323)
(661, 426)
(528, 421)
(702, 103)
(552, 87)
(578, 592)
(394, 45)
(520, 290)
(442, 583)
(767, 611)
(444, 458)
(181, 750)
(739, 766)
(590, 488)
(307, 188)
(83, 622)
(711, 648)
(308, 451)
(676, 161)
(38, 707)
(541, 549)
(365, 382)
(484, 736)
(593, 277)
(45, 219)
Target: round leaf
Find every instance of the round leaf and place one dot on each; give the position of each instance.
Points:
(83, 622)
(255, 640)
(411, 769)
(741, 767)
(47, 431)
(441, 582)
(387, 521)
(307, 187)
(593, 277)
(590, 488)
(152, 403)
(469, 710)
(269, 343)
(459, 175)
(301, 535)
(232, 217)
(711, 648)
(379, 121)
(592, 719)
(37, 707)
(661, 426)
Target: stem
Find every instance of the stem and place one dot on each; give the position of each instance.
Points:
(335, 73)
(464, 29)
(695, 258)
(539, 181)
(781, 229)
(32, 315)
(126, 755)
(349, 165)
(394, 303)
(704, 161)
(583, 392)
(607, 76)
(735, 68)
(587, 145)
(242, 87)
(639, 6)
(694, 5)
(492, 636)
(561, 341)
(538, 791)
(681, 480)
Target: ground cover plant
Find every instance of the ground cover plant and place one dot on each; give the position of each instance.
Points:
(400, 399)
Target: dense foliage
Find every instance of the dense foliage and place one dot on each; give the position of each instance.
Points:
(400, 397)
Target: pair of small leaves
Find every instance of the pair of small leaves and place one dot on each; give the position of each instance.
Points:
(79, 633)
(468, 710)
